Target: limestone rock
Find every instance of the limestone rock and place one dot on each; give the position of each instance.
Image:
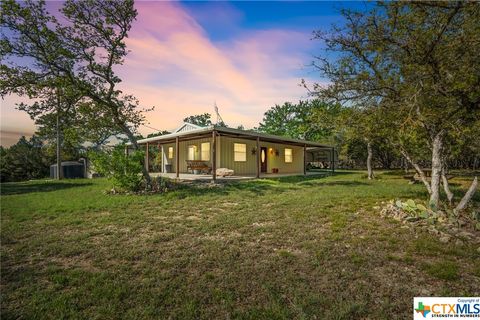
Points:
(466, 234)
(425, 292)
(224, 172)
(444, 238)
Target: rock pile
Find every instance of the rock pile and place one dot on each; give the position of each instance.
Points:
(459, 229)
(224, 172)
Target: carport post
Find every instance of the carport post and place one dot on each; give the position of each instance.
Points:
(177, 157)
(160, 151)
(214, 155)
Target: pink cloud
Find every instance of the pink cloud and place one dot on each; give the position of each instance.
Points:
(175, 66)
(13, 123)
(245, 76)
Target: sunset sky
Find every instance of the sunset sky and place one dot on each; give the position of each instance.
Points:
(184, 56)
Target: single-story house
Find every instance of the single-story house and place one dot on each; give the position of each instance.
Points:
(195, 149)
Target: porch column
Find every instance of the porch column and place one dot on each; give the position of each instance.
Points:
(147, 157)
(333, 159)
(177, 157)
(305, 160)
(160, 149)
(214, 155)
(258, 157)
(164, 159)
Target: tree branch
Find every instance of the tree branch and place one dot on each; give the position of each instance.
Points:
(468, 196)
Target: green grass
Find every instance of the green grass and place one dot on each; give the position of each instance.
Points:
(290, 248)
(446, 270)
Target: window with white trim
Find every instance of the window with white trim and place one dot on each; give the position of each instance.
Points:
(170, 152)
(288, 155)
(239, 152)
(205, 151)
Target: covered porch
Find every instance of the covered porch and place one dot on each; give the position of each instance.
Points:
(176, 155)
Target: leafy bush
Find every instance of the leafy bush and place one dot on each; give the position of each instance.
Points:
(25, 160)
(123, 171)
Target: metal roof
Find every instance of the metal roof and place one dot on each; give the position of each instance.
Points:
(231, 131)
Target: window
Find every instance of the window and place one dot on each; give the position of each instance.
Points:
(191, 152)
(288, 155)
(205, 151)
(170, 152)
(239, 152)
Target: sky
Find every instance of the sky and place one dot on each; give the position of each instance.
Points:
(185, 56)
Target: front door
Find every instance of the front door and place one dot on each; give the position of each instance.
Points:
(263, 159)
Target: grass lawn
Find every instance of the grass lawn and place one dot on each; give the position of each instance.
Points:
(290, 248)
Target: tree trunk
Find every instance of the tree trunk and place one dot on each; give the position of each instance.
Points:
(468, 196)
(369, 161)
(418, 169)
(437, 146)
(59, 146)
(446, 187)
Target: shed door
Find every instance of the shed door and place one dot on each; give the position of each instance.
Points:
(263, 159)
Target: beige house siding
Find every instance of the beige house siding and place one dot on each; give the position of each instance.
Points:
(273, 161)
(183, 145)
(225, 155)
(183, 148)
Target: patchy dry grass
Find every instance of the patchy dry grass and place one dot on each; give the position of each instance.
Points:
(447, 270)
(292, 248)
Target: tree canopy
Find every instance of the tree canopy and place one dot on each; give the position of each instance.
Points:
(313, 120)
(203, 120)
(416, 63)
(80, 50)
(25, 160)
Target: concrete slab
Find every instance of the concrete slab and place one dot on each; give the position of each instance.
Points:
(191, 176)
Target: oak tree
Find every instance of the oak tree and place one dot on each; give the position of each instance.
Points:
(82, 47)
(416, 60)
